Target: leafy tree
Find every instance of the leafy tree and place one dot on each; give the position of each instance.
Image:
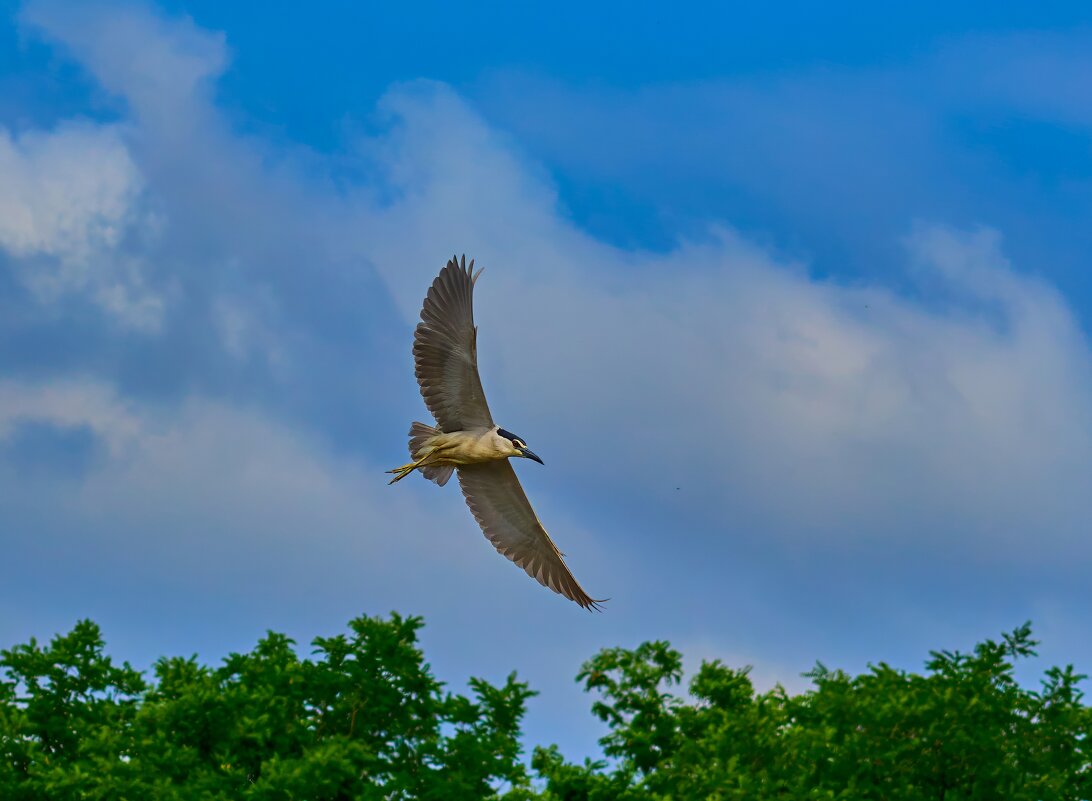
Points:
(67, 719)
(964, 730)
(365, 719)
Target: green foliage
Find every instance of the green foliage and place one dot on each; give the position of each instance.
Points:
(68, 716)
(965, 730)
(364, 718)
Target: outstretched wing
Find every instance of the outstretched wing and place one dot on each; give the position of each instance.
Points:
(445, 351)
(501, 508)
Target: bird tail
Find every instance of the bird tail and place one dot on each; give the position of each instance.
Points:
(420, 434)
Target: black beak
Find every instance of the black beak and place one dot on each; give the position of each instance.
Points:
(530, 454)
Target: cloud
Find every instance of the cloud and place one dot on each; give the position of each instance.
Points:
(210, 493)
(717, 365)
(207, 221)
(159, 65)
(831, 162)
(966, 408)
(68, 199)
(74, 213)
(66, 193)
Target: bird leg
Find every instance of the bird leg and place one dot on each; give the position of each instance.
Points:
(406, 469)
(403, 471)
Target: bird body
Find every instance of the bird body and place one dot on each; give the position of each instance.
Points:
(467, 440)
(466, 447)
(433, 450)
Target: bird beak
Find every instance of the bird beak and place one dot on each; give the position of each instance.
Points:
(530, 454)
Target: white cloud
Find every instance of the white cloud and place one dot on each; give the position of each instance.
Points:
(66, 193)
(68, 198)
(813, 411)
(70, 404)
(158, 65)
(206, 490)
(715, 365)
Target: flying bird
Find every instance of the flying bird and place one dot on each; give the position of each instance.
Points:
(465, 439)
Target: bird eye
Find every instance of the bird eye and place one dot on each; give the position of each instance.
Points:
(519, 443)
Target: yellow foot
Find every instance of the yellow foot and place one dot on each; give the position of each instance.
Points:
(406, 469)
(403, 471)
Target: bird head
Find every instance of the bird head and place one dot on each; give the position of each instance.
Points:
(518, 446)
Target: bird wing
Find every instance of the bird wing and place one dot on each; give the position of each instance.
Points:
(501, 508)
(445, 351)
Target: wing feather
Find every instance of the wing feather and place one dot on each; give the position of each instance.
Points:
(500, 506)
(445, 351)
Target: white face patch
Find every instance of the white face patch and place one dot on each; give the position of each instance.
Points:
(517, 442)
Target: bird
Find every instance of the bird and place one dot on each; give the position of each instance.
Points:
(467, 441)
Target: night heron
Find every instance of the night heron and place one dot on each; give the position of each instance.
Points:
(445, 355)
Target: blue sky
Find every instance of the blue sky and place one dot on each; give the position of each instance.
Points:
(795, 306)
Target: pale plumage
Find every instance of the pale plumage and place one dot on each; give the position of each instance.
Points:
(466, 439)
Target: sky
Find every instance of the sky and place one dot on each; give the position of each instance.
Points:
(794, 303)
